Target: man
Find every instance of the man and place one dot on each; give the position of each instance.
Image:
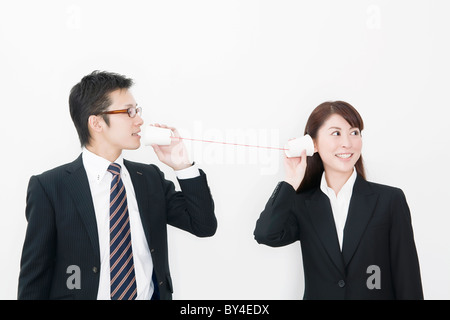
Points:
(97, 227)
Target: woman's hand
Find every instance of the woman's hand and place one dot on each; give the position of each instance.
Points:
(295, 169)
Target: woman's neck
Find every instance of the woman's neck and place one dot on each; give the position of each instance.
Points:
(335, 180)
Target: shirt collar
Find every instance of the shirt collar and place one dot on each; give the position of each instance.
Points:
(96, 166)
(346, 189)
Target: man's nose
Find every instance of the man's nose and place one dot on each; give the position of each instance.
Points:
(138, 120)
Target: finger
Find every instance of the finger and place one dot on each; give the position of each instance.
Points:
(303, 154)
(156, 149)
(175, 131)
(304, 158)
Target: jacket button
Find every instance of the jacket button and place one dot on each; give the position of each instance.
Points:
(94, 269)
(152, 250)
(341, 283)
(161, 283)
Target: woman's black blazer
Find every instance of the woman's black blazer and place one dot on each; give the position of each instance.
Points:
(378, 258)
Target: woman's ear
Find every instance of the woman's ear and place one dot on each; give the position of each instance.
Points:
(315, 146)
(95, 123)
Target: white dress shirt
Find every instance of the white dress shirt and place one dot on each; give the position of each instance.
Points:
(100, 182)
(339, 203)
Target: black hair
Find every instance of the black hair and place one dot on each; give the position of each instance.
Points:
(91, 96)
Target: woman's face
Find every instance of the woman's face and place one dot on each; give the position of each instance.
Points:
(338, 144)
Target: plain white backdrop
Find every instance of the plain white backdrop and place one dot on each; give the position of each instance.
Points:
(240, 71)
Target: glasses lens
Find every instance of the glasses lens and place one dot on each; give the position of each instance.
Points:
(132, 112)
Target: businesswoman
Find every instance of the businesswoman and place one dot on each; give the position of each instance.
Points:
(356, 236)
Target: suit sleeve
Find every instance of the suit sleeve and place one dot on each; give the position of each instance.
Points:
(36, 266)
(405, 262)
(277, 225)
(192, 208)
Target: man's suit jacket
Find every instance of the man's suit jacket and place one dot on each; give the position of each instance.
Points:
(378, 232)
(62, 228)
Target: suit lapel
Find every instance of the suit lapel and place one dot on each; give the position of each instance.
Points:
(78, 186)
(362, 205)
(319, 209)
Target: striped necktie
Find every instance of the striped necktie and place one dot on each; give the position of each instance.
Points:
(123, 280)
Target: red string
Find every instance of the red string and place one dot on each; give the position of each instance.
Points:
(229, 143)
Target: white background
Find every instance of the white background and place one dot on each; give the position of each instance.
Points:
(240, 71)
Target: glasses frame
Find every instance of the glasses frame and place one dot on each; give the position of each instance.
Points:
(138, 111)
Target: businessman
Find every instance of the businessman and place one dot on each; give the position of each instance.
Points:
(105, 217)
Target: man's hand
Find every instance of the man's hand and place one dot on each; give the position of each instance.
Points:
(174, 155)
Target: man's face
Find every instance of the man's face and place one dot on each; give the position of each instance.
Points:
(122, 132)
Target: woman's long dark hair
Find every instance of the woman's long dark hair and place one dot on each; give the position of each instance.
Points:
(320, 114)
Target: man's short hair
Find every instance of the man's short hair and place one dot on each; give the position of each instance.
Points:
(91, 96)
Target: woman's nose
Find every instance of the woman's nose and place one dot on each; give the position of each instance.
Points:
(346, 141)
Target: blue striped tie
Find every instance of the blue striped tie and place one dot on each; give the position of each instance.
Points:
(123, 280)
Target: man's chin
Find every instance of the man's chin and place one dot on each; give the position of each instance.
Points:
(132, 147)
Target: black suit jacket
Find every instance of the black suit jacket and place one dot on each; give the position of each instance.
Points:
(62, 228)
(378, 232)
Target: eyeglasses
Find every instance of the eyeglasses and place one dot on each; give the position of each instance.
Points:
(132, 112)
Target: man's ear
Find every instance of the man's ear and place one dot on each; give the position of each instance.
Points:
(95, 123)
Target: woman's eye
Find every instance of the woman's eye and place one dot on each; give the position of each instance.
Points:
(355, 133)
(336, 133)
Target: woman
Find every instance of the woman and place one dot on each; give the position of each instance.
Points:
(356, 236)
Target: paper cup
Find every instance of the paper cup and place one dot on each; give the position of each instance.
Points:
(296, 146)
(157, 135)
